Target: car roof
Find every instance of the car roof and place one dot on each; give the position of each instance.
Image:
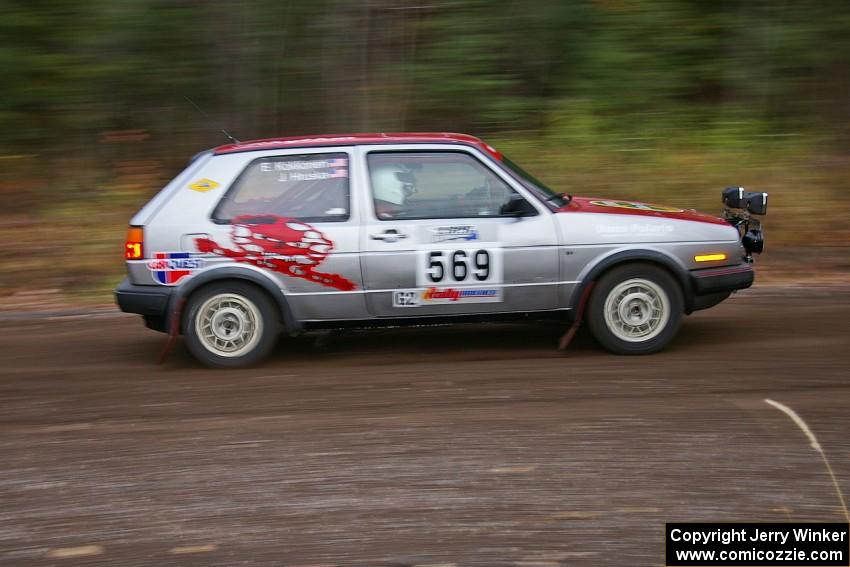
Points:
(358, 139)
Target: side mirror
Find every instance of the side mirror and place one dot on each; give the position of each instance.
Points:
(517, 206)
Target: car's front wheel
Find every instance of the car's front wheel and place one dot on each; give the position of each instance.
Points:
(230, 325)
(635, 309)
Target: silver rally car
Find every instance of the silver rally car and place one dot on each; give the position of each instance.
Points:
(286, 235)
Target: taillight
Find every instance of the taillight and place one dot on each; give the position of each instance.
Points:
(134, 247)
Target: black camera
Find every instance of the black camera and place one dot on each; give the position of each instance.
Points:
(733, 197)
(738, 198)
(753, 241)
(757, 203)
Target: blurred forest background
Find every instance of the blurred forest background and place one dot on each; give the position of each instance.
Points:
(661, 100)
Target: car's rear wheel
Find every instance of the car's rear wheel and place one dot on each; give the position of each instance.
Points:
(635, 309)
(230, 325)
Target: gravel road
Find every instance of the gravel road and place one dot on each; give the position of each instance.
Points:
(478, 445)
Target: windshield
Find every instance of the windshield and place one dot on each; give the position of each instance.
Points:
(547, 194)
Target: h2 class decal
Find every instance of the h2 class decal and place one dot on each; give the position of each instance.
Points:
(636, 206)
(168, 268)
(406, 298)
(285, 245)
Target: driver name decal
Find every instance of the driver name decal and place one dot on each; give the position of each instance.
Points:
(306, 170)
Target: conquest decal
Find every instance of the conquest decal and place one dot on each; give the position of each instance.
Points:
(168, 268)
(637, 206)
(285, 245)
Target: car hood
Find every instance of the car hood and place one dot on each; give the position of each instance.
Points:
(619, 207)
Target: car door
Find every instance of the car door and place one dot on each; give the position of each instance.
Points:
(436, 241)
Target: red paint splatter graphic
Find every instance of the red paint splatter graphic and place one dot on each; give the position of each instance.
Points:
(282, 244)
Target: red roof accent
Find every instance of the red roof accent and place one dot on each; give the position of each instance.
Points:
(357, 139)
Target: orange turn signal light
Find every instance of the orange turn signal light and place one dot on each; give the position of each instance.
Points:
(134, 247)
(710, 257)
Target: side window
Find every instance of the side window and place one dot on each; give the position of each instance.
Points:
(434, 185)
(311, 188)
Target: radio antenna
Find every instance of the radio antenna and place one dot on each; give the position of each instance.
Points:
(207, 117)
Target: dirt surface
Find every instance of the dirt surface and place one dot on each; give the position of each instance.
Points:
(476, 445)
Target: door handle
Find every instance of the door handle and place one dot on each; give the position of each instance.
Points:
(389, 235)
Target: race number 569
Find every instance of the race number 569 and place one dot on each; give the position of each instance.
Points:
(459, 266)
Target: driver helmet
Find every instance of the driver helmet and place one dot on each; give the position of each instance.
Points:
(391, 183)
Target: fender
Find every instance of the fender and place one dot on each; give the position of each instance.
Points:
(291, 325)
(636, 255)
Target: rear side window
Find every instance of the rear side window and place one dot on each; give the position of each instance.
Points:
(311, 188)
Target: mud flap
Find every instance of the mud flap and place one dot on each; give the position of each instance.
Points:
(571, 332)
(173, 330)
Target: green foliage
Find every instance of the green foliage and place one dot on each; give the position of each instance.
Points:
(72, 70)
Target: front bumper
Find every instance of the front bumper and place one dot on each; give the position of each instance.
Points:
(722, 280)
(150, 300)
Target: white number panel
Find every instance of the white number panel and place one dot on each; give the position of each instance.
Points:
(459, 265)
(452, 274)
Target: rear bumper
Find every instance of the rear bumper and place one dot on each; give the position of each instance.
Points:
(149, 300)
(722, 280)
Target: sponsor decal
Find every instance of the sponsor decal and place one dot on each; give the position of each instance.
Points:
(444, 295)
(203, 185)
(452, 295)
(636, 206)
(457, 232)
(168, 268)
(284, 245)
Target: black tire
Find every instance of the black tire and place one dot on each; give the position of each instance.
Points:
(248, 308)
(637, 285)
